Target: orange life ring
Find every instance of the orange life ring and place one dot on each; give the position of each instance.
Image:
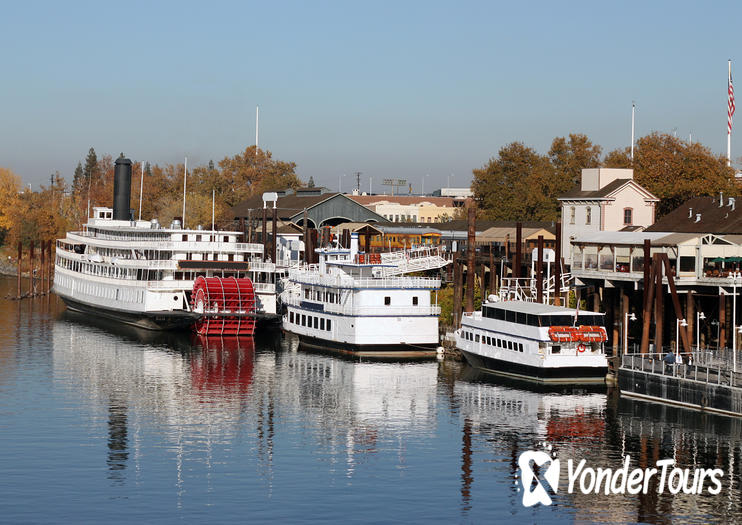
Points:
(581, 348)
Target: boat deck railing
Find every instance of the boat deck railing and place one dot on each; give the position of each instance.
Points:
(308, 276)
(716, 367)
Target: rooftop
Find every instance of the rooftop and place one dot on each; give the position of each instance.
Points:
(702, 215)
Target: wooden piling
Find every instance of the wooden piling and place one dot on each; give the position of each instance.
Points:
(518, 248)
(722, 342)
(470, 259)
(30, 270)
(540, 270)
(457, 278)
(264, 235)
(558, 265)
(306, 236)
(20, 267)
(659, 311)
(42, 269)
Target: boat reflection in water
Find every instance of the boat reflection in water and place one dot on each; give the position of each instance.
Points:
(504, 419)
(204, 396)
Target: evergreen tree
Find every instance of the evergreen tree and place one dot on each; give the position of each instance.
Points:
(77, 181)
(147, 169)
(310, 184)
(91, 167)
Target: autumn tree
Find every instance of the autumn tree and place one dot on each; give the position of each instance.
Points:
(569, 156)
(10, 185)
(519, 184)
(675, 170)
(618, 158)
(253, 172)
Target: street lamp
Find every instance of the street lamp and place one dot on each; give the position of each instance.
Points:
(678, 324)
(734, 277)
(700, 316)
(626, 330)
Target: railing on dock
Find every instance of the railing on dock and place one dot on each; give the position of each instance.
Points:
(714, 367)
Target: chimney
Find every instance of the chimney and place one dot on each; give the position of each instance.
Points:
(732, 202)
(698, 217)
(690, 213)
(721, 199)
(122, 190)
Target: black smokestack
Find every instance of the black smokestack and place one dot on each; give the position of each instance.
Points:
(122, 190)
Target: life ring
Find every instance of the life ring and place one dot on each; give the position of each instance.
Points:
(581, 348)
(704, 402)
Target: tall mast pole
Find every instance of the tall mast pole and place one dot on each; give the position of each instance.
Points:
(633, 108)
(141, 190)
(185, 176)
(730, 112)
(257, 120)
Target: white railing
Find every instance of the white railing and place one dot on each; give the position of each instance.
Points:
(711, 371)
(346, 281)
(391, 311)
(169, 245)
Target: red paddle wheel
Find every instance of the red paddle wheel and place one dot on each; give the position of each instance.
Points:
(227, 306)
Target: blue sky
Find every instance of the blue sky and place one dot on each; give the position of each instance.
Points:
(391, 89)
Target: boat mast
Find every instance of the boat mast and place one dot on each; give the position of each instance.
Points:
(185, 175)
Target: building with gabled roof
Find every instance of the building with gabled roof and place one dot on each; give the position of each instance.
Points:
(323, 209)
(608, 199)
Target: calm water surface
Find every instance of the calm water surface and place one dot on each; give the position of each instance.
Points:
(105, 424)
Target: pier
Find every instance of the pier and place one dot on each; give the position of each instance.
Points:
(709, 383)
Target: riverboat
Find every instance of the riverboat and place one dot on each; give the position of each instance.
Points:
(140, 273)
(364, 304)
(535, 341)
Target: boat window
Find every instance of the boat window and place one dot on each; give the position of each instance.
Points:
(510, 316)
(414, 301)
(291, 317)
(316, 322)
(510, 345)
(520, 318)
(322, 323)
(532, 320)
(329, 324)
(476, 338)
(303, 320)
(489, 341)
(520, 347)
(555, 349)
(387, 300)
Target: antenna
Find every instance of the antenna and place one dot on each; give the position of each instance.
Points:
(213, 199)
(257, 120)
(358, 181)
(185, 176)
(141, 190)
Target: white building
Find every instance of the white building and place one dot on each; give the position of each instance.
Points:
(607, 199)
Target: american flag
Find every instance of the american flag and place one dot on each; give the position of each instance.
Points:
(730, 105)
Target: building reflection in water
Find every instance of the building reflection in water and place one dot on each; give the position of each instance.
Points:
(504, 419)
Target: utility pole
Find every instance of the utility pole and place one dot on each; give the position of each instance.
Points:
(358, 182)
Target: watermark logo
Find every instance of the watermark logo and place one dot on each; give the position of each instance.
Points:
(536, 493)
(540, 473)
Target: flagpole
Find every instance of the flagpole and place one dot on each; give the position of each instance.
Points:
(633, 107)
(730, 112)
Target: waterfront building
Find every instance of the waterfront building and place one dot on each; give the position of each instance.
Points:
(404, 208)
(608, 199)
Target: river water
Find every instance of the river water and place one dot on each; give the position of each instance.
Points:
(100, 423)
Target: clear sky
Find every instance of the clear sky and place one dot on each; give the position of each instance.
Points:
(391, 89)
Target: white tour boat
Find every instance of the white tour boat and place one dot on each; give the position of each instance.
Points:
(363, 304)
(140, 273)
(530, 340)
